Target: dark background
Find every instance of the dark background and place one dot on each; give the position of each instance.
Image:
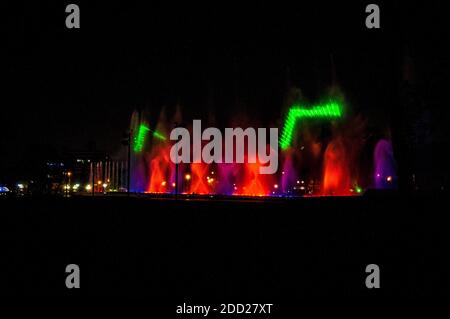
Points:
(65, 89)
(273, 250)
(70, 89)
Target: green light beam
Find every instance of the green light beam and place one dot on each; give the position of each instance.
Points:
(140, 137)
(159, 136)
(323, 111)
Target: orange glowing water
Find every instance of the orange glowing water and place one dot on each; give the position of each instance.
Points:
(199, 181)
(160, 168)
(252, 182)
(336, 176)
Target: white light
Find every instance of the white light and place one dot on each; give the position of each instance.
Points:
(88, 187)
(20, 186)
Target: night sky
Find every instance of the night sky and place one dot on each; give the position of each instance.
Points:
(64, 89)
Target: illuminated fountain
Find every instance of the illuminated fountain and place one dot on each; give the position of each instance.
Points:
(311, 167)
(336, 175)
(160, 171)
(384, 166)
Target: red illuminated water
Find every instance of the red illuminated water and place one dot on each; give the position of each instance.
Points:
(336, 174)
(311, 167)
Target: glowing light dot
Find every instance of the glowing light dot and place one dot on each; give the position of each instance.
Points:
(275, 186)
(389, 179)
(187, 177)
(174, 184)
(163, 183)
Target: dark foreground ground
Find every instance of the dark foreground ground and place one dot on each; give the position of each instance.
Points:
(259, 251)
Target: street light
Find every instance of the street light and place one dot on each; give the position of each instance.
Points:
(127, 142)
(69, 174)
(176, 126)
